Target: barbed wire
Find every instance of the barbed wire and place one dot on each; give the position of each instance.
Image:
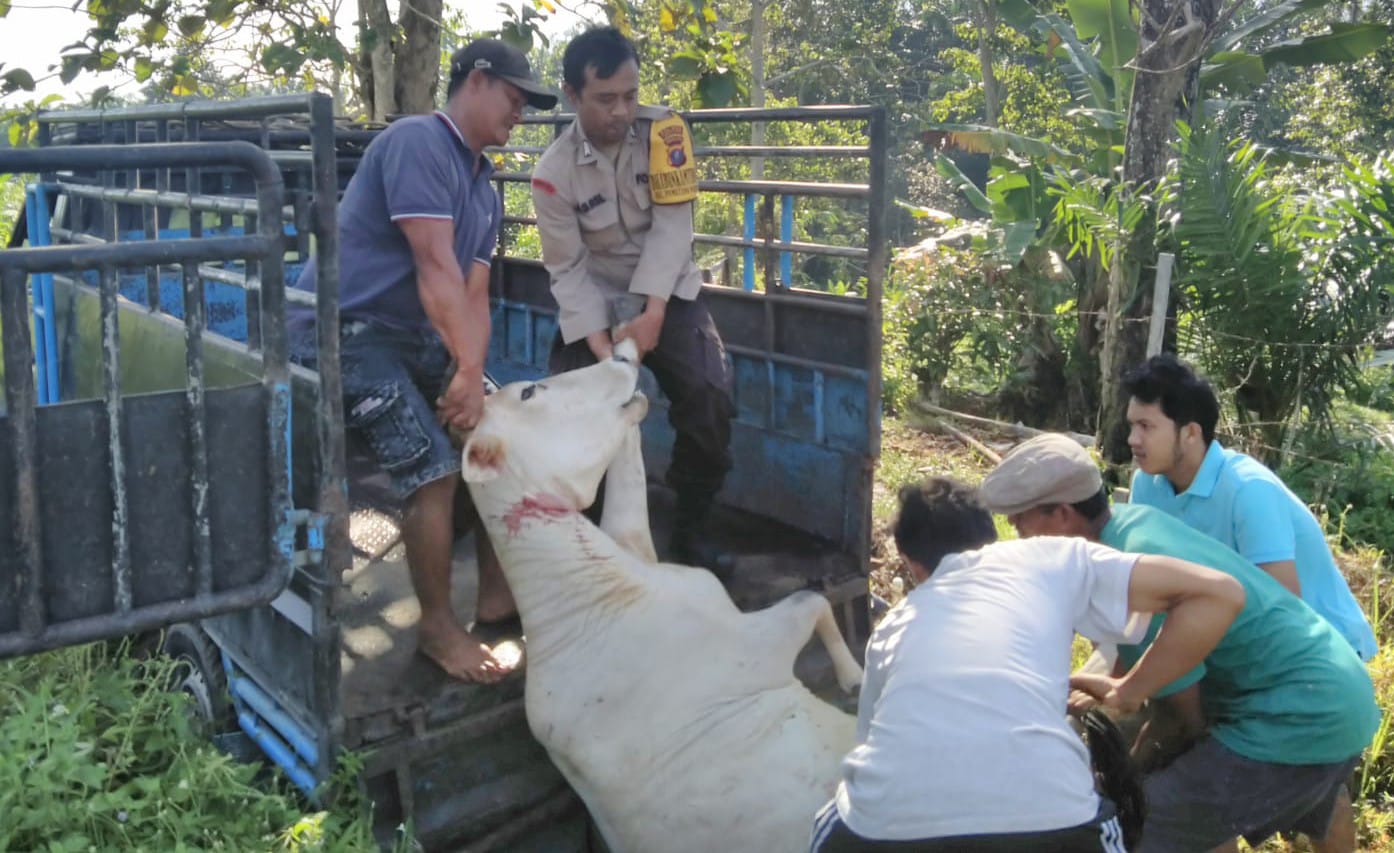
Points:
(1097, 315)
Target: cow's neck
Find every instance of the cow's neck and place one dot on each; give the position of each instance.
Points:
(562, 569)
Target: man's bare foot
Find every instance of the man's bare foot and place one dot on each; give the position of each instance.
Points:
(459, 653)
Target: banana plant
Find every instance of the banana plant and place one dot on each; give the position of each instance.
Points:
(1094, 50)
(1016, 204)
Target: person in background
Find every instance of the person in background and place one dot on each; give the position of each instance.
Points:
(1263, 734)
(1183, 471)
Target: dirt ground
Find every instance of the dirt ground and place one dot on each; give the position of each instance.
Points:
(910, 451)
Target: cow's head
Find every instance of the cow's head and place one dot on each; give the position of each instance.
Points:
(558, 435)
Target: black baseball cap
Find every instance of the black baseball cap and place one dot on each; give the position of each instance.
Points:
(505, 62)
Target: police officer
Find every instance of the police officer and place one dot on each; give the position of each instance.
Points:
(613, 196)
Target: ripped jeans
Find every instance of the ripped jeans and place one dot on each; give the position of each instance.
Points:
(391, 379)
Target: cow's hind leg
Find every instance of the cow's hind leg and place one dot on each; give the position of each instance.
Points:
(787, 624)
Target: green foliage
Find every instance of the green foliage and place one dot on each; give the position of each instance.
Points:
(1095, 215)
(949, 312)
(97, 754)
(711, 56)
(1239, 71)
(1282, 290)
(522, 25)
(689, 47)
(1113, 24)
(11, 203)
(1034, 101)
(1346, 468)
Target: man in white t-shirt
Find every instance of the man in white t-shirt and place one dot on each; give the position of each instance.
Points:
(963, 742)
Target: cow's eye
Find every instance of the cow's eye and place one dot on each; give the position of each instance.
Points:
(528, 392)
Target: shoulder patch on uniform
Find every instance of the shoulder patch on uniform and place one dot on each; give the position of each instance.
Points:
(672, 168)
(546, 186)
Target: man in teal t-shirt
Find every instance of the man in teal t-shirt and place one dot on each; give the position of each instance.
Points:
(1183, 471)
(1288, 704)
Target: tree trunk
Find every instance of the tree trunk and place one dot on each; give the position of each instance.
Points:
(375, 67)
(987, 21)
(1170, 46)
(757, 82)
(418, 56)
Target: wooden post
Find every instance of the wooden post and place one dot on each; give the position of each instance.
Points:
(1161, 295)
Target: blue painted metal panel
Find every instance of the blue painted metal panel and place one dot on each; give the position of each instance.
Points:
(517, 335)
(844, 412)
(183, 233)
(776, 470)
(544, 331)
(796, 402)
(521, 342)
(226, 303)
(752, 390)
(804, 425)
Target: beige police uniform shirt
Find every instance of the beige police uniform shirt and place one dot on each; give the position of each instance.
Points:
(603, 238)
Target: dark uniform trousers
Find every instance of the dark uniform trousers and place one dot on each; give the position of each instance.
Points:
(690, 366)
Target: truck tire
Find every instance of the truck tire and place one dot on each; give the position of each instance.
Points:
(198, 674)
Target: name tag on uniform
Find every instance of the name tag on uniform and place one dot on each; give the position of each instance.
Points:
(591, 203)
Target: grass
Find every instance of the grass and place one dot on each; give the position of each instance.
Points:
(97, 754)
(909, 454)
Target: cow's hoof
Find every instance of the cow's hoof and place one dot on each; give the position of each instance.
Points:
(490, 631)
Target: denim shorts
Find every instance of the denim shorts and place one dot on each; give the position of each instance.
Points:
(391, 379)
(1211, 794)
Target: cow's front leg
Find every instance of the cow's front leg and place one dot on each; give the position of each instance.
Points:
(787, 625)
(625, 517)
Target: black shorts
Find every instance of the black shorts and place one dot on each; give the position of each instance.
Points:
(1212, 794)
(1100, 835)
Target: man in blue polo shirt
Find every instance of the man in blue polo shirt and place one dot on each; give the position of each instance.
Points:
(417, 226)
(1273, 720)
(1183, 471)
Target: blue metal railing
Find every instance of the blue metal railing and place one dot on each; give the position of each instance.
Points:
(36, 213)
(291, 746)
(786, 235)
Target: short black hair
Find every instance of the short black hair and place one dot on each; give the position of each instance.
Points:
(1092, 508)
(1185, 396)
(602, 48)
(455, 82)
(939, 517)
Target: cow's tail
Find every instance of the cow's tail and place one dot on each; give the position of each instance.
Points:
(1117, 778)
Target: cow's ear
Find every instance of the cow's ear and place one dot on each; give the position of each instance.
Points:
(483, 458)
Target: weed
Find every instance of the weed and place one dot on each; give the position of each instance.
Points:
(96, 755)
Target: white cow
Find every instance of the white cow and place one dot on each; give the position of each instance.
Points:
(676, 717)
